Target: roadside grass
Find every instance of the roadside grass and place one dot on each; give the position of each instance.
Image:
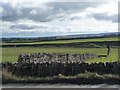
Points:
(82, 78)
(11, 54)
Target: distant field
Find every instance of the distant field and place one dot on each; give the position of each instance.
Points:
(66, 41)
(11, 54)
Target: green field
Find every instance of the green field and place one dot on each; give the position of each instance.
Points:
(11, 54)
(65, 41)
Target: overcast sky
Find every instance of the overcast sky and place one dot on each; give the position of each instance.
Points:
(29, 19)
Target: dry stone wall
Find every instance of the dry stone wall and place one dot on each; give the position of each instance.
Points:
(44, 69)
(53, 64)
(55, 57)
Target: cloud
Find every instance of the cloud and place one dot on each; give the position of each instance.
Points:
(71, 6)
(28, 27)
(105, 16)
(21, 27)
(57, 18)
(50, 11)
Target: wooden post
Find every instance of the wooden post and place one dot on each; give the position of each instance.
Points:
(67, 55)
(108, 51)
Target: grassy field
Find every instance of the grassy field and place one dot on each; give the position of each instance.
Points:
(11, 54)
(66, 41)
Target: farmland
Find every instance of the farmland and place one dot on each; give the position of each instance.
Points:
(11, 54)
(62, 41)
(11, 51)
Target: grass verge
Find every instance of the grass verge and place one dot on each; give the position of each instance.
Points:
(83, 78)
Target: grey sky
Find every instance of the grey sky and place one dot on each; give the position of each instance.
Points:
(57, 18)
